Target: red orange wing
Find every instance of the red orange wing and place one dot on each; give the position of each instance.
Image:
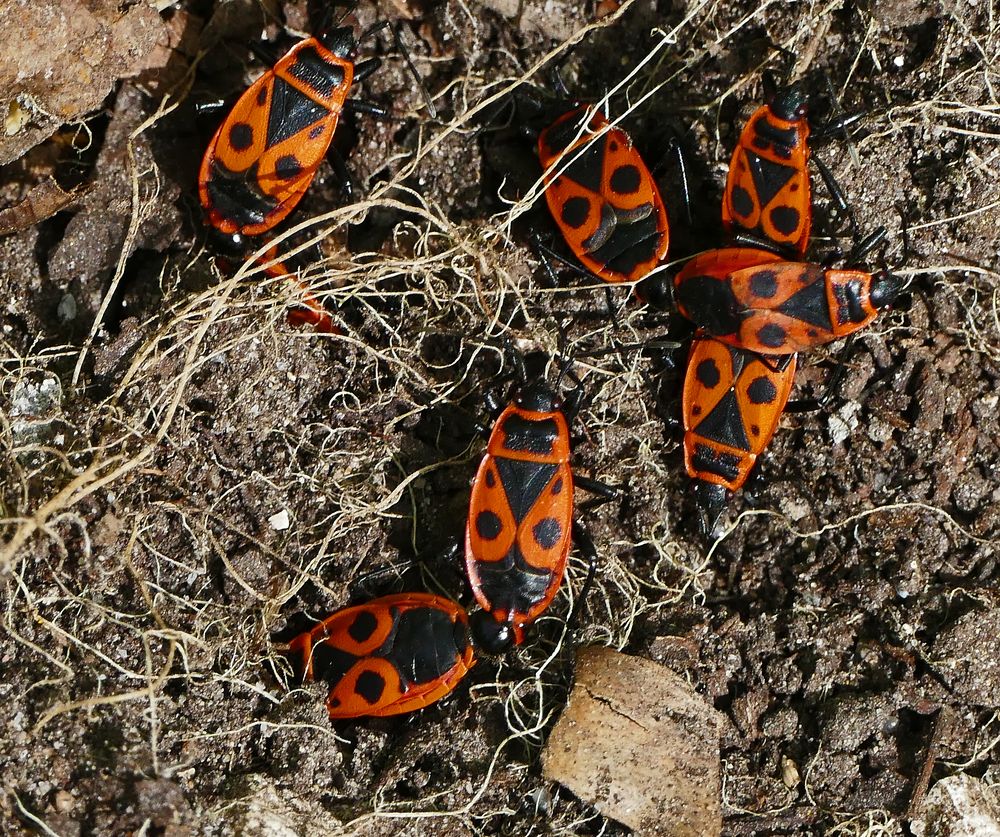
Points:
(732, 402)
(788, 306)
(603, 198)
(265, 154)
(389, 656)
(768, 191)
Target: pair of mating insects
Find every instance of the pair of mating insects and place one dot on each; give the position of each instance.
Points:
(755, 305)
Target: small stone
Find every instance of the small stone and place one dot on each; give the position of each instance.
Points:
(279, 522)
(66, 309)
(790, 773)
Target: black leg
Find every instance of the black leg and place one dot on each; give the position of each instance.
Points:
(685, 186)
(517, 359)
(769, 82)
(558, 85)
(343, 173)
(365, 68)
(374, 29)
(603, 493)
(540, 251)
(836, 127)
(494, 405)
(545, 250)
(840, 122)
(865, 246)
(586, 546)
(362, 586)
(810, 405)
(572, 404)
(431, 110)
(482, 430)
(836, 194)
(609, 297)
(618, 348)
(748, 239)
(367, 108)
(904, 232)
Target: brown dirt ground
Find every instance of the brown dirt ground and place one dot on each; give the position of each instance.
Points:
(156, 415)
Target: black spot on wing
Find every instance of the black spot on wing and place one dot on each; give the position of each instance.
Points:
(291, 112)
(742, 202)
(547, 532)
(312, 70)
(241, 136)
(488, 525)
(764, 284)
(363, 626)
(491, 478)
(370, 686)
(262, 95)
(772, 335)
(626, 179)
(575, 212)
(762, 391)
(287, 167)
(707, 373)
(785, 219)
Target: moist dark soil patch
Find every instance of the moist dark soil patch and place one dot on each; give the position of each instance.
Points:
(185, 474)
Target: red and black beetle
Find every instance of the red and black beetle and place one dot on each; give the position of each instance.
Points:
(754, 299)
(520, 524)
(391, 655)
(732, 402)
(602, 196)
(265, 153)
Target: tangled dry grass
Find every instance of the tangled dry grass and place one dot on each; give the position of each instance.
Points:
(143, 574)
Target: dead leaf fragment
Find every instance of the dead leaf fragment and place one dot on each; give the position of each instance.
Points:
(640, 745)
(43, 201)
